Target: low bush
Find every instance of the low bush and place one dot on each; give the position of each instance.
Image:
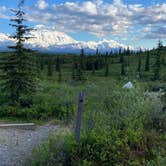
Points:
(45, 104)
(120, 127)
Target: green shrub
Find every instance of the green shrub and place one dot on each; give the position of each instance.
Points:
(114, 125)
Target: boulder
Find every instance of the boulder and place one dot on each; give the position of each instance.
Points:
(128, 85)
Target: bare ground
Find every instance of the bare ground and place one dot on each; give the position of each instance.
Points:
(16, 144)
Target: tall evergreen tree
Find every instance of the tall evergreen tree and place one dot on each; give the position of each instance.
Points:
(139, 65)
(147, 63)
(97, 51)
(74, 68)
(80, 66)
(121, 55)
(59, 74)
(38, 66)
(111, 53)
(123, 73)
(82, 59)
(157, 63)
(18, 76)
(41, 63)
(127, 53)
(58, 64)
(93, 66)
(49, 68)
(79, 74)
(106, 65)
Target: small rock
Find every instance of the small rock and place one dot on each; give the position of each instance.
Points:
(128, 85)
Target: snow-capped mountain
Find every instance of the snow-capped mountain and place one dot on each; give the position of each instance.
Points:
(44, 37)
(50, 40)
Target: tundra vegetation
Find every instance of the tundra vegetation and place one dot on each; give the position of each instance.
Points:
(119, 126)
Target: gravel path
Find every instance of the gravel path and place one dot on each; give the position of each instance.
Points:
(16, 144)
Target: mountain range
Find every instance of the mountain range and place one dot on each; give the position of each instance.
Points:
(50, 40)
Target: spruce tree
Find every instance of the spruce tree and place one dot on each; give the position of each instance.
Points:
(78, 68)
(106, 65)
(123, 73)
(82, 59)
(79, 74)
(127, 53)
(38, 66)
(97, 51)
(121, 55)
(41, 63)
(147, 63)
(58, 64)
(60, 74)
(139, 65)
(157, 63)
(49, 68)
(74, 68)
(18, 68)
(93, 66)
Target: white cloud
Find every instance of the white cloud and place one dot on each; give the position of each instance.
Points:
(3, 9)
(89, 7)
(100, 18)
(95, 16)
(117, 2)
(98, 2)
(41, 4)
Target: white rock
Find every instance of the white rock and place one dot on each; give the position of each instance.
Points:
(128, 85)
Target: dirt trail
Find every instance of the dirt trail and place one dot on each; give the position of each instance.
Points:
(16, 144)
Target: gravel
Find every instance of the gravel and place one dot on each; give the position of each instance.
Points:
(16, 144)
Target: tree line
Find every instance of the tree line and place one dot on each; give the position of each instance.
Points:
(21, 67)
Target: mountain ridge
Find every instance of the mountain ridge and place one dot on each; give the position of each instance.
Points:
(50, 40)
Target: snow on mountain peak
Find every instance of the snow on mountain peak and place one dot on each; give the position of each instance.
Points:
(44, 37)
(50, 40)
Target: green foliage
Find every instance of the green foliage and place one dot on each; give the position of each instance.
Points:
(93, 68)
(106, 65)
(47, 103)
(147, 63)
(117, 130)
(139, 66)
(120, 127)
(58, 64)
(50, 153)
(50, 68)
(60, 75)
(157, 63)
(123, 73)
(18, 76)
(82, 60)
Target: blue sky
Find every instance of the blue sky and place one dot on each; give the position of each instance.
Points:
(132, 22)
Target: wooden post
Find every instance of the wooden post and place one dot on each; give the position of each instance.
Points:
(79, 117)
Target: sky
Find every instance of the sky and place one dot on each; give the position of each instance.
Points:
(139, 23)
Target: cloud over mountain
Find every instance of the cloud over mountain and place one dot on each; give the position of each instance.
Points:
(50, 40)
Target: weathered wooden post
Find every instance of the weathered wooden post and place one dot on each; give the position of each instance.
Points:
(79, 116)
